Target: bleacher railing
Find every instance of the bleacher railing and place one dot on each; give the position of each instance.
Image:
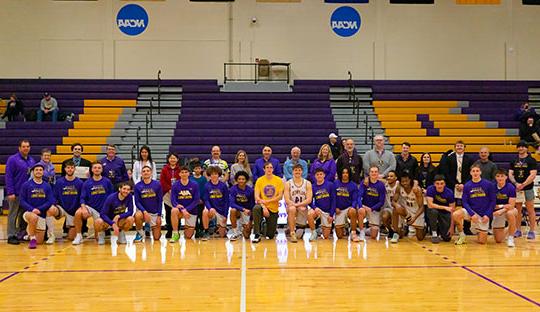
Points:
(256, 67)
(368, 130)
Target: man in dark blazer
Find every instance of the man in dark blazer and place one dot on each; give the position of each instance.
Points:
(80, 162)
(456, 169)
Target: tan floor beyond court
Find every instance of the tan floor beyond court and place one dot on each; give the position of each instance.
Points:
(273, 275)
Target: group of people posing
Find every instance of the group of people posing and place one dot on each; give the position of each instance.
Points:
(396, 193)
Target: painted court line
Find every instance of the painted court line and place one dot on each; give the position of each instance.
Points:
(131, 270)
(243, 278)
(9, 276)
(501, 286)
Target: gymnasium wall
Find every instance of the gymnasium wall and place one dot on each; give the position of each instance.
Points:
(80, 39)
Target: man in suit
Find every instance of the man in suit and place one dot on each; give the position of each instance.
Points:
(77, 159)
(456, 170)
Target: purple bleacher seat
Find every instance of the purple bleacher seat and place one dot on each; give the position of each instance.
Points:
(255, 96)
(255, 110)
(261, 124)
(257, 103)
(319, 132)
(35, 125)
(31, 133)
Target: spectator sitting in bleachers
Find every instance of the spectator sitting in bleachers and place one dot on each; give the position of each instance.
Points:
(14, 107)
(49, 106)
(530, 132)
(524, 112)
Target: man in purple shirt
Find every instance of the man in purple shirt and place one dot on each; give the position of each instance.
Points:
(505, 209)
(324, 205)
(479, 199)
(17, 172)
(371, 199)
(258, 168)
(216, 199)
(67, 192)
(117, 213)
(242, 201)
(149, 202)
(441, 203)
(114, 167)
(37, 199)
(185, 198)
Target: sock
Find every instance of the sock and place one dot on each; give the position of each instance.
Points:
(32, 237)
(461, 233)
(50, 225)
(141, 232)
(433, 233)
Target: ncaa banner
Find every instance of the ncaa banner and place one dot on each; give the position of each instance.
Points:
(345, 21)
(132, 19)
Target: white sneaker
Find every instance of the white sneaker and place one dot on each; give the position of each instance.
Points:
(122, 238)
(101, 238)
(362, 235)
(395, 238)
(78, 239)
(51, 239)
(510, 241)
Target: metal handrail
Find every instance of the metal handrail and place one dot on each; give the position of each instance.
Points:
(159, 91)
(151, 113)
(256, 71)
(146, 126)
(138, 137)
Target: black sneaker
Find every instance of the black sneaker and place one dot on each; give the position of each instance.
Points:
(12, 240)
(168, 234)
(256, 238)
(199, 233)
(263, 227)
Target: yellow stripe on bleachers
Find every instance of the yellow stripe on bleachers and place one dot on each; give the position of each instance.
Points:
(468, 133)
(110, 103)
(413, 110)
(459, 124)
(89, 149)
(416, 104)
(89, 132)
(451, 140)
(57, 168)
(401, 124)
(471, 148)
(448, 117)
(394, 117)
(94, 124)
(405, 132)
(103, 110)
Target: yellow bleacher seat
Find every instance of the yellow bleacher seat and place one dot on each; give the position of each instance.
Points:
(417, 104)
(110, 103)
(413, 110)
(451, 140)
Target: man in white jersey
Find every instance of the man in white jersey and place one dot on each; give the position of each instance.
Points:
(298, 194)
(409, 204)
(391, 184)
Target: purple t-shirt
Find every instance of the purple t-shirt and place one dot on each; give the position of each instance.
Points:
(36, 196)
(372, 196)
(479, 198)
(346, 194)
(186, 195)
(505, 193)
(217, 196)
(149, 197)
(324, 197)
(68, 194)
(113, 207)
(445, 198)
(241, 199)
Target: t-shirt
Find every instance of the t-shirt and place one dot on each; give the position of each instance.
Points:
(94, 193)
(68, 194)
(149, 197)
(217, 196)
(186, 195)
(522, 168)
(324, 197)
(505, 193)
(241, 199)
(115, 206)
(479, 198)
(444, 198)
(372, 196)
(346, 194)
(268, 188)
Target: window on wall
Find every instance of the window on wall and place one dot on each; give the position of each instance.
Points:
(531, 2)
(481, 2)
(412, 1)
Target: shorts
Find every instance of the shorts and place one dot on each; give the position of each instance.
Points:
(243, 219)
(301, 217)
(191, 221)
(420, 221)
(41, 224)
(341, 217)
(93, 212)
(476, 227)
(524, 196)
(153, 219)
(324, 219)
(63, 213)
(220, 220)
(374, 217)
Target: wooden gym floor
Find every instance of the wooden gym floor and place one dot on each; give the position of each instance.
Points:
(219, 275)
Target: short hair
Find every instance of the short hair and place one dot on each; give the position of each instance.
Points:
(267, 145)
(268, 163)
(112, 145)
(406, 144)
(501, 171)
(69, 163)
(196, 164)
(45, 150)
(459, 142)
(213, 169)
(183, 168)
(171, 155)
(373, 166)
(406, 174)
(438, 177)
(391, 171)
(378, 136)
(476, 166)
(241, 173)
(23, 141)
(77, 144)
(146, 166)
(298, 166)
(319, 170)
(122, 184)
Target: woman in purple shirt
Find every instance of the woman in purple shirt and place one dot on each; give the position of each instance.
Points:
(325, 161)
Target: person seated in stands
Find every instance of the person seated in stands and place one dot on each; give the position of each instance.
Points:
(48, 107)
(524, 112)
(14, 107)
(530, 132)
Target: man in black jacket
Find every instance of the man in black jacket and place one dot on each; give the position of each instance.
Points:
(80, 163)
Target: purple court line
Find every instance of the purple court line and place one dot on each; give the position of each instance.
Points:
(501, 286)
(131, 270)
(357, 268)
(9, 276)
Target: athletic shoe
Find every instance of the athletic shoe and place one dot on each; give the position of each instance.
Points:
(293, 237)
(518, 234)
(199, 233)
(435, 239)
(355, 238)
(122, 238)
(531, 235)
(256, 238)
(510, 242)
(461, 239)
(51, 239)
(13, 240)
(32, 244)
(362, 236)
(138, 238)
(147, 229)
(313, 236)
(205, 236)
(395, 238)
(175, 237)
(299, 233)
(101, 238)
(168, 234)
(235, 235)
(78, 239)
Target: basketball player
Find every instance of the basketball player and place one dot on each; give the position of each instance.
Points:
(117, 213)
(370, 202)
(298, 195)
(324, 205)
(505, 210)
(441, 203)
(479, 199)
(149, 201)
(242, 201)
(67, 192)
(408, 204)
(390, 184)
(216, 199)
(346, 204)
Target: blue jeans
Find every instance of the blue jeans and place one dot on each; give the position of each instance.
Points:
(41, 114)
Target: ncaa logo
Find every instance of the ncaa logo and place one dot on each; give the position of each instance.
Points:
(132, 19)
(345, 21)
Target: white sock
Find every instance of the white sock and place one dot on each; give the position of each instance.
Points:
(50, 225)
(433, 233)
(32, 237)
(461, 233)
(141, 232)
